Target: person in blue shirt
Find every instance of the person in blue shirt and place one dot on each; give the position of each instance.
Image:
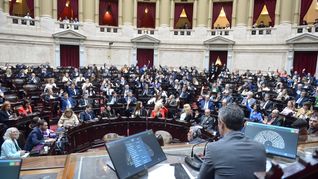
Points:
(255, 113)
(10, 148)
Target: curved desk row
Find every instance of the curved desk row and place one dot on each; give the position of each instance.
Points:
(90, 135)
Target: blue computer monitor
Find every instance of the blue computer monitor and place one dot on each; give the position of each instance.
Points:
(10, 168)
(134, 154)
(281, 141)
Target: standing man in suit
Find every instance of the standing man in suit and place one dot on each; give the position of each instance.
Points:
(234, 153)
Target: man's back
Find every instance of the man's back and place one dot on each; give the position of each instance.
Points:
(234, 156)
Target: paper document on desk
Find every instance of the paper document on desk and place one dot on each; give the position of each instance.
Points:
(165, 171)
(25, 155)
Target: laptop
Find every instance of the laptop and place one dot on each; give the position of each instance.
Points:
(10, 168)
(278, 141)
(135, 154)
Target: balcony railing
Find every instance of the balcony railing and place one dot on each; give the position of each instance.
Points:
(306, 29)
(261, 31)
(182, 32)
(148, 31)
(23, 21)
(220, 32)
(67, 25)
(109, 29)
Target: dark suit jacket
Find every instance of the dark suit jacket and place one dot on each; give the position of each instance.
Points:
(208, 123)
(232, 157)
(210, 105)
(85, 116)
(64, 103)
(71, 92)
(35, 138)
(3, 116)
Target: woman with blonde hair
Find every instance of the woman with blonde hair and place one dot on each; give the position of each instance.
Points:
(68, 119)
(187, 113)
(10, 148)
(159, 111)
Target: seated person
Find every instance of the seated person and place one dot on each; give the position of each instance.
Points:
(289, 109)
(255, 113)
(68, 119)
(5, 112)
(186, 115)
(1, 98)
(194, 135)
(34, 79)
(36, 136)
(207, 122)
(139, 110)
(108, 112)
(10, 148)
(88, 114)
(130, 99)
(159, 111)
(313, 125)
(50, 85)
(25, 109)
(67, 102)
(304, 112)
(274, 118)
(206, 103)
(72, 90)
(248, 99)
(267, 104)
(218, 163)
(85, 101)
(302, 99)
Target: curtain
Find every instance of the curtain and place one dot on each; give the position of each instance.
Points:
(228, 6)
(188, 7)
(305, 5)
(30, 4)
(69, 12)
(214, 56)
(145, 57)
(146, 20)
(258, 7)
(110, 19)
(69, 55)
(271, 6)
(305, 60)
(11, 7)
(217, 7)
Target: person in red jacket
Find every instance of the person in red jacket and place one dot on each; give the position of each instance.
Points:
(25, 109)
(159, 111)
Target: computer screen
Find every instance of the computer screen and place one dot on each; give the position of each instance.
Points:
(281, 141)
(135, 153)
(10, 168)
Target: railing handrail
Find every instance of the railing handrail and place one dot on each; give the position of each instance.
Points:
(304, 26)
(69, 23)
(23, 18)
(211, 30)
(108, 26)
(262, 28)
(144, 28)
(178, 30)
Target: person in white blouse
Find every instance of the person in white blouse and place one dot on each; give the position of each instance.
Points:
(50, 85)
(10, 148)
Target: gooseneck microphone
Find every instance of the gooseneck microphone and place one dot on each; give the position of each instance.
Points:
(192, 161)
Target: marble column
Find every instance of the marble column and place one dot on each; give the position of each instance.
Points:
(172, 6)
(242, 12)
(164, 13)
(37, 8)
(1, 5)
(46, 8)
(250, 13)
(128, 12)
(54, 11)
(296, 12)
(157, 13)
(202, 13)
(234, 11)
(210, 11)
(6, 6)
(195, 9)
(96, 15)
(286, 12)
(135, 13)
(88, 9)
(80, 10)
(277, 12)
(120, 12)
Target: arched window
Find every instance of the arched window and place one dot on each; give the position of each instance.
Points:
(264, 13)
(183, 14)
(222, 15)
(67, 9)
(21, 8)
(146, 15)
(108, 12)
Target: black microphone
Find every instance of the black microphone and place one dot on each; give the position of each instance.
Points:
(193, 162)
